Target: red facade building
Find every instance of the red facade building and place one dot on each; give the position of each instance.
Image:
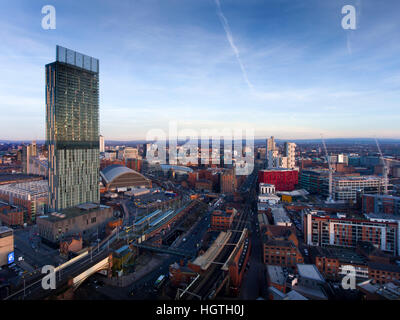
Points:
(282, 179)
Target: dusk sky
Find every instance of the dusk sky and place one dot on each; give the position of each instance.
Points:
(283, 67)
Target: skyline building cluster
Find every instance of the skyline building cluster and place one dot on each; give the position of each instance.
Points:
(94, 197)
(276, 160)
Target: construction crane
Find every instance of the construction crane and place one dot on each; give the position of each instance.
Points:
(385, 169)
(330, 197)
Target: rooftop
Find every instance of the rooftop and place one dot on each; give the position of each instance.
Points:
(5, 177)
(384, 267)
(343, 255)
(4, 229)
(294, 193)
(389, 291)
(167, 167)
(382, 217)
(277, 169)
(309, 271)
(209, 256)
(112, 172)
(73, 212)
(294, 295)
(280, 216)
(276, 274)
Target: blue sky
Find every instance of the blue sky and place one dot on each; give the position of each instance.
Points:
(295, 72)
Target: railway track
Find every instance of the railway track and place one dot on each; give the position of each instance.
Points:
(215, 275)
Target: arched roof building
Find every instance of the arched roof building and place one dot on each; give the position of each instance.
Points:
(118, 176)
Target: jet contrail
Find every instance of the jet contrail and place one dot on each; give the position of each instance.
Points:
(228, 32)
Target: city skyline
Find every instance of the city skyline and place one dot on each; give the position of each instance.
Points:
(213, 64)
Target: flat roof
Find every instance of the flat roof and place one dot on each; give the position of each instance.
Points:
(18, 176)
(384, 266)
(280, 215)
(363, 178)
(276, 275)
(72, 212)
(383, 216)
(269, 196)
(294, 193)
(277, 169)
(122, 249)
(342, 254)
(76, 59)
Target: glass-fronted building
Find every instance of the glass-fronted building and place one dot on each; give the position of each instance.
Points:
(72, 129)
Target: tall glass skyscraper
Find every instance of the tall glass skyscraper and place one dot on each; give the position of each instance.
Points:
(72, 129)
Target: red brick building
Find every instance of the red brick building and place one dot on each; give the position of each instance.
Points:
(203, 184)
(228, 181)
(330, 261)
(280, 246)
(11, 216)
(237, 265)
(383, 273)
(73, 244)
(104, 163)
(134, 164)
(386, 204)
(181, 276)
(222, 220)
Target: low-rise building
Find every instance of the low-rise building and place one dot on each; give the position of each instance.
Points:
(266, 188)
(11, 215)
(280, 246)
(83, 219)
(276, 277)
(222, 220)
(383, 273)
(6, 245)
(203, 185)
(181, 276)
(332, 262)
(270, 199)
(280, 217)
(387, 291)
(32, 196)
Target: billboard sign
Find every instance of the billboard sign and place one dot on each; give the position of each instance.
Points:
(10, 257)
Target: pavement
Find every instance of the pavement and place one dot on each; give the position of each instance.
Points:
(35, 253)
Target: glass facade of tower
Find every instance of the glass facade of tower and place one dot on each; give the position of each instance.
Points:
(72, 129)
